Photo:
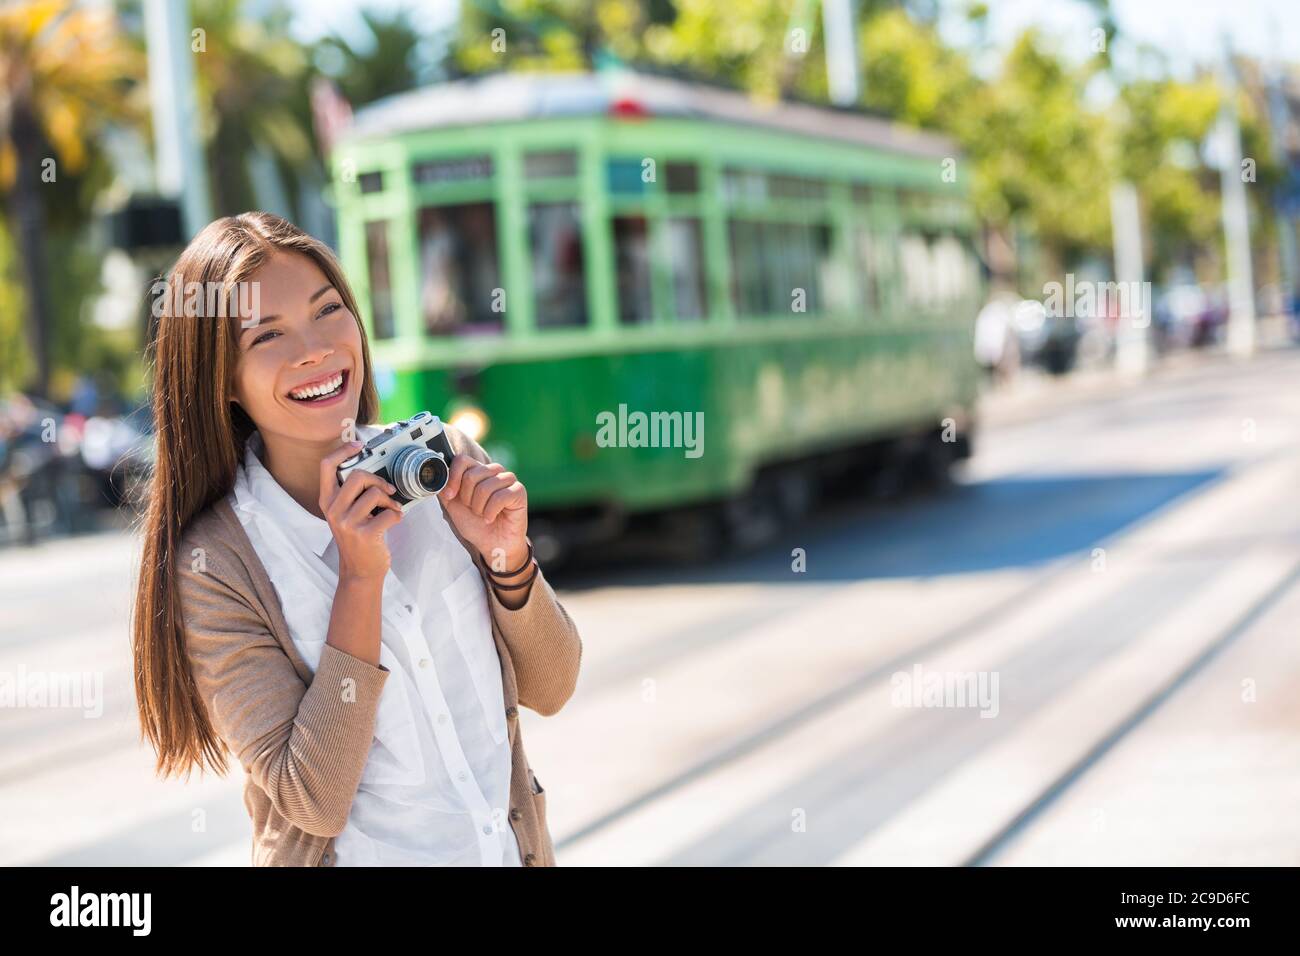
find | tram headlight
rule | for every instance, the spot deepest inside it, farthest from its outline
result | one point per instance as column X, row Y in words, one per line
column 471, row 421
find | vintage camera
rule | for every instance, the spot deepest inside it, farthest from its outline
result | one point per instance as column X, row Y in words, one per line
column 413, row 455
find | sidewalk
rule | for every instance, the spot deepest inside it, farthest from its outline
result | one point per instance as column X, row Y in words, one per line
column 1034, row 394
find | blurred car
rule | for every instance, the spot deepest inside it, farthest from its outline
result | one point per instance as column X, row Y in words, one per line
column 36, row 483
column 1048, row 341
column 57, row 469
column 1188, row 315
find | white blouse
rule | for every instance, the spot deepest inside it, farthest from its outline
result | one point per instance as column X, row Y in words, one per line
column 436, row 786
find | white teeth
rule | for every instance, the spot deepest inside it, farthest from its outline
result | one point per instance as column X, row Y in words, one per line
column 324, row 388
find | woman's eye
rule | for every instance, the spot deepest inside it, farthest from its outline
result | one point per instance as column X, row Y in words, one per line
column 264, row 336
column 329, row 307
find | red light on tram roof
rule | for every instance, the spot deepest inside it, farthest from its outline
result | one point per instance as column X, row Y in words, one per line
column 625, row 107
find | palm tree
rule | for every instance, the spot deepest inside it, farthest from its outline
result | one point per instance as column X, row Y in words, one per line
column 393, row 58
column 63, row 72
column 251, row 93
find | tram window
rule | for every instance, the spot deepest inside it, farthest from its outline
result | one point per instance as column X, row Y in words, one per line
column 799, row 249
column 867, row 260
column 948, row 262
column 686, row 262
column 749, row 290
column 921, row 284
column 742, row 185
column 920, row 204
column 786, row 264
column 630, row 176
column 682, row 177
column 459, row 273
column 955, row 267
column 558, row 164
column 559, row 283
column 777, row 268
column 371, row 182
column 834, row 277
column 632, row 267
column 795, row 187
column 381, row 288
column 914, row 260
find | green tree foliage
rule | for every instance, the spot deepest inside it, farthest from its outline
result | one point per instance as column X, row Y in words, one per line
column 67, row 73
column 251, row 77
column 15, row 361
column 390, row 58
column 1041, row 149
column 1161, row 125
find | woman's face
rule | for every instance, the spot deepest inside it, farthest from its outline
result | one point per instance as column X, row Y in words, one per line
column 300, row 372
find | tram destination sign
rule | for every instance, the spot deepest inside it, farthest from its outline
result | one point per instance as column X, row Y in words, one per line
column 452, row 170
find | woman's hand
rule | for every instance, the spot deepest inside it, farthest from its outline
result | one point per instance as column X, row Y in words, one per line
column 363, row 552
column 489, row 507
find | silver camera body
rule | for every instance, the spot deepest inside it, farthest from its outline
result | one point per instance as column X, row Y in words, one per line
column 412, row 455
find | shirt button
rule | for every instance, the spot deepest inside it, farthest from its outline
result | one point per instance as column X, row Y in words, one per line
column 442, row 718
column 424, row 662
column 487, row 828
column 463, row 775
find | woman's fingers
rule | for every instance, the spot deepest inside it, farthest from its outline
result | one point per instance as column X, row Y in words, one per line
column 511, row 496
column 356, row 484
column 329, row 466
column 459, row 465
column 360, row 510
column 370, row 499
column 383, row 521
column 486, row 488
column 465, row 474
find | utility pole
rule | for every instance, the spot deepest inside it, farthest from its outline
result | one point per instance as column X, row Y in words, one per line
column 1280, row 120
column 1133, row 326
column 839, row 27
column 1236, row 219
column 179, row 166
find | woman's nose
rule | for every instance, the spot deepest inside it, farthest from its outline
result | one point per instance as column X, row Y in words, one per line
column 315, row 348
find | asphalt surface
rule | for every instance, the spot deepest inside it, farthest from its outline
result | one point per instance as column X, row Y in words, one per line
column 1117, row 570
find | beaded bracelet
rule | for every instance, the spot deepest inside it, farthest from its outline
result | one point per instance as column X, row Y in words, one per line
column 518, row 570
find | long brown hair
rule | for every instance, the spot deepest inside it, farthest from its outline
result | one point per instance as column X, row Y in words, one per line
column 200, row 439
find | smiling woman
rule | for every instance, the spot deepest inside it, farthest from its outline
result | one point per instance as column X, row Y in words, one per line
column 308, row 625
column 299, row 365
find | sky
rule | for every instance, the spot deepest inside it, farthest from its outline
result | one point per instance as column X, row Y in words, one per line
column 1188, row 30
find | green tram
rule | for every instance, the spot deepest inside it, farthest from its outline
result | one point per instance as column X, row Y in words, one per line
column 656, row 298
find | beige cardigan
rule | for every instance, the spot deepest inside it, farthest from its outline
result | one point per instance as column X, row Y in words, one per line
column 303, row 739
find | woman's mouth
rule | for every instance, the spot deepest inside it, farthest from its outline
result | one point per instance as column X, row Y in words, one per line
column 325, row 391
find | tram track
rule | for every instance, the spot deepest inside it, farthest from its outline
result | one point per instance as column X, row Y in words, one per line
column 1051, row 793
column 773, row 731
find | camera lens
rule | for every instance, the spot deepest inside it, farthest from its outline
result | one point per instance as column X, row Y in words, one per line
column 418, row 472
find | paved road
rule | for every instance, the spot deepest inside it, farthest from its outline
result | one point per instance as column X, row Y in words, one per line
column 1120, row 570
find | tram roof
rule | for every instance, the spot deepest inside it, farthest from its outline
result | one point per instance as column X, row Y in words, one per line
column 511, row 97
